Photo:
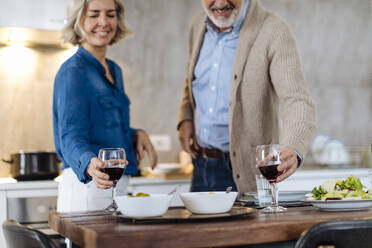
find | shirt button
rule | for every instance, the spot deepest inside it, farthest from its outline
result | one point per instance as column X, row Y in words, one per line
column 219, row 42
column 215, row 65
column 213, row 88
column 235, row 77
column 234, row 154
column 210, row 110
column 237, row 176
column 233, row 32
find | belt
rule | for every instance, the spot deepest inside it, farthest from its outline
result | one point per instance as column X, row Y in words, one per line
column 213, row 153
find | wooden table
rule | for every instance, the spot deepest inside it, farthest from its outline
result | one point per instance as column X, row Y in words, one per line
column 97, row 229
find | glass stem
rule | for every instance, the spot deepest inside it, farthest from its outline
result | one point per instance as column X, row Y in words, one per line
column 113, row 193
column 274, row 194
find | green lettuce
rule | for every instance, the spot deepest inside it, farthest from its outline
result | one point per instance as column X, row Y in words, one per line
column 351, row 187
column 318, row 192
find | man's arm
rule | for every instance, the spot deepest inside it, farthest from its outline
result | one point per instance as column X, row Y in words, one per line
column 297, row 110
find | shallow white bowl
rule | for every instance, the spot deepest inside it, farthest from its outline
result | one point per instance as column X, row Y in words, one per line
column 208, row 202
column 142, row 207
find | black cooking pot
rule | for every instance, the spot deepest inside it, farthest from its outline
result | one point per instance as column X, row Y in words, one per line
column 33, row 165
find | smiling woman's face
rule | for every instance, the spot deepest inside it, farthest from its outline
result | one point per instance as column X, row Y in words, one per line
column 99, row 23
column 223, row 13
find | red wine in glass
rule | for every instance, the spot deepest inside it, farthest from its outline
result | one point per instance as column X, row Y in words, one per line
column 270, row 171
column 114, row 173
column 268, row 160
column 114, row 162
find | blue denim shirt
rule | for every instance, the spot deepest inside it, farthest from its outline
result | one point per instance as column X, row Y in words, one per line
column 211, row 87
column 89, row 113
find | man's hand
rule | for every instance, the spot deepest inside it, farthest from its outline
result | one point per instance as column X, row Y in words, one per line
column 288, row 158
column 99, row 178
column 144, row 144
column 186, row 134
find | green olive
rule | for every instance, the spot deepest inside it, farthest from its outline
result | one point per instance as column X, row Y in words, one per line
column 140, row 194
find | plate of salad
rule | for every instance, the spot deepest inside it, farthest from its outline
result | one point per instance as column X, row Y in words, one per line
column 340, row 195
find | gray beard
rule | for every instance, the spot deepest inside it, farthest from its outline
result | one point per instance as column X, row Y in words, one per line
column 221, row 22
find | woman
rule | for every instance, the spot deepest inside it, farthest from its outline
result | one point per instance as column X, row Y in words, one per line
column 91, row 109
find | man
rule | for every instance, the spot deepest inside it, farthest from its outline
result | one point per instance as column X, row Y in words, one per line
column 243, row 65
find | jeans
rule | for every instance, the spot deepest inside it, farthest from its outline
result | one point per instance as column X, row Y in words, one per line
column 212, row 174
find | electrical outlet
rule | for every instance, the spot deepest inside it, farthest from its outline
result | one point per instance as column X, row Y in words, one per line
column 161, row 142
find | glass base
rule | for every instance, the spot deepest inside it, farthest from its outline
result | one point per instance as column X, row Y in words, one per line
column 112, row 208
column 274, row 209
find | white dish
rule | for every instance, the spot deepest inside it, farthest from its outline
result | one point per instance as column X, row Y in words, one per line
column 208, row 202
column 291, row 195
column 285, row 195
column 143, row 207
column 340, row 205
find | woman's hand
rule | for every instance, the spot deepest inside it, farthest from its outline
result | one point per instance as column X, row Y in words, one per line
column 144, row 144
column 99, row 178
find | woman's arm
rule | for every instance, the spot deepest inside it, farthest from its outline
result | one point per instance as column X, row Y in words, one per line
column 72, row 105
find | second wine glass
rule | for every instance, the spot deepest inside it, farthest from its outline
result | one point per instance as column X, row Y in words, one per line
column 268, row 160
column 114, row 162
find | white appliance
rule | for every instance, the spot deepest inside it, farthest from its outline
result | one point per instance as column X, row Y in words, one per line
column 35, row 14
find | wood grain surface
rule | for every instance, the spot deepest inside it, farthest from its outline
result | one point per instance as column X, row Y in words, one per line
column 98, row 229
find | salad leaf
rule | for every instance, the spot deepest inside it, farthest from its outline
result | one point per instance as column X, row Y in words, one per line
column 354, row 183
column 333, row 194
column 318, row 192
column 356, row 194
column 329, row 185
column 351, row 187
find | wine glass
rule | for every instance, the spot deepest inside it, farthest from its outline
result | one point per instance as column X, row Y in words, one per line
column 268, row 159
column 114, row 162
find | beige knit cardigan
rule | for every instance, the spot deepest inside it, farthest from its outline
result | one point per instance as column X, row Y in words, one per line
column 267, row 85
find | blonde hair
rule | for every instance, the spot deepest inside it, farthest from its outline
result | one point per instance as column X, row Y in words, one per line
column 73, row 31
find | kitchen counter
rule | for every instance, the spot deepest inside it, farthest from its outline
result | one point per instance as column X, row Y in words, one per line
column 11, row 184
column 156, row 180
column 304, row 178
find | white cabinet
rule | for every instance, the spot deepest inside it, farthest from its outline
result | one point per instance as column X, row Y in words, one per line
column 30, row 200
column 37, row 14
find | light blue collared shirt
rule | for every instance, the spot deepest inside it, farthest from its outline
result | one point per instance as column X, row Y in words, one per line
column 211, row 87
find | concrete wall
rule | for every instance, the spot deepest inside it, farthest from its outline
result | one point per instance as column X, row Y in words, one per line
column 334, row 38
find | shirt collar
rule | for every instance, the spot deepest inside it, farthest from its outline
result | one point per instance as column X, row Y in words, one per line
column 91, row 59
column 239, row 22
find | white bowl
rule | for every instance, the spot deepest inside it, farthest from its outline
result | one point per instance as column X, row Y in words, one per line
column 208, row 202
column 142, row 207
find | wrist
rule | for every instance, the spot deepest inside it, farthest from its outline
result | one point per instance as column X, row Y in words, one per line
column 88, row 169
